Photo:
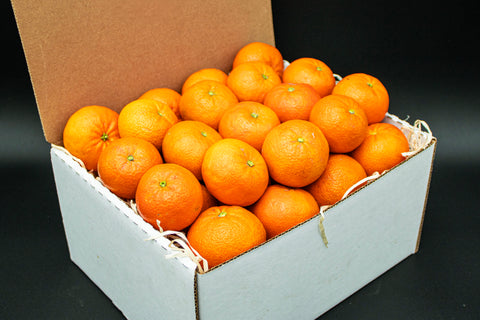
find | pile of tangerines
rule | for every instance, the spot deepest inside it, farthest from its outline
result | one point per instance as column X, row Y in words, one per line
column 238, row 158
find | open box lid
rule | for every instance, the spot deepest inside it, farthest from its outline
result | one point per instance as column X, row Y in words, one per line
column 108, row 52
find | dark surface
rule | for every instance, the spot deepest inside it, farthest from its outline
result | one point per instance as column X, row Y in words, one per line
column 423, row 55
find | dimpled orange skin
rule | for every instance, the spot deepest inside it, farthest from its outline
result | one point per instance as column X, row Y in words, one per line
column 292, row 100
column 171, row 194
column 342, row 120
column 368, row 91
column 248, row 121
column 167, row 96
column 206, row 101
column 296, row 153
column 310, row 71
column 251, row 81
column 147, row 119
column 259, row 51
column 234, row 172
column 88, row 131
column 382, row 148
column 186, row 143
column 341, row 173
column 123, row 162
column 281, row 208
column 222, row 233
column 204, row 74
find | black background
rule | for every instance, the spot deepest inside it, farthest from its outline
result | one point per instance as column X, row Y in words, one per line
column 425, row 54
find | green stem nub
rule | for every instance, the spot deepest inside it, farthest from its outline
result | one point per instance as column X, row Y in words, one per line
column 264, row 76
column 104, row 136
column 351, row 111
column 291, row 89
column 163, row 184
column 319, row 68
column 223, row 213
column 211, row 93
column 203, row 133
column 370, row 85
column 130, row 158
column 254, row 115
column 301, row 140
column 250, row 163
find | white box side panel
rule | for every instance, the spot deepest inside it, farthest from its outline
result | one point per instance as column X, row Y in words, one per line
column 108, row 244
column 296, row 277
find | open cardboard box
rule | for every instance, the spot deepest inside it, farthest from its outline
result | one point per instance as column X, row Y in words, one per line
column 108, row 53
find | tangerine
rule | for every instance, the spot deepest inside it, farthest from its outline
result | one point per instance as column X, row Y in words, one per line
column 310, row 71
column 123, row 162
column 251, row 81
column 186, row 142
column 368, row 91
column 222, row 233
column 292, row 100
column 234, row 172
column 147, row 119
column 382, row 148
column 170, row 195
column 248, row 121
column 207, row 101
column 342, row 121
column 281, row 208
column 296, row 153
column 341, row 173
column 88, row 131
column 259, row 51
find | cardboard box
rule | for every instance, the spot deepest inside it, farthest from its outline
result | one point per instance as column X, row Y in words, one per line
column 105, row 52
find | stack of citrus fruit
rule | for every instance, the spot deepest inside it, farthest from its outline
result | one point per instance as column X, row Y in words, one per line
column 236, row 158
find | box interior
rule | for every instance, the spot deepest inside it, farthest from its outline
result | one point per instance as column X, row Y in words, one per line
column 109, row 52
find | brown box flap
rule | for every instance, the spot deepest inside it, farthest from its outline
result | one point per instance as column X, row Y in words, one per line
column 108, row 52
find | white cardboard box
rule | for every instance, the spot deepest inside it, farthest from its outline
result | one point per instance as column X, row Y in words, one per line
column 291, row 276
column 81, row 54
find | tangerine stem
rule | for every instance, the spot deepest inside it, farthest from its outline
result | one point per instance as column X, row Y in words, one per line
column 370, row 84
column 104, row 136
column 130, row 158
column 264, row 76
column 254, row 115
column 163, row 184
column 291, row 89
column 250, row 163
column 301, row 140
column 223, row 213
column 203, row 133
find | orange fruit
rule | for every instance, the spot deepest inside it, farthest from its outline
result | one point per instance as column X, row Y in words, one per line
column 248, row 121
column 186, row 143
column 206, row 101
column 292, row 100
column 88, row 131
column 123, row 162
column 170, row 194
column 341, row 173
column 208, row 200
column 342, row 121
column 147, row 119
column 281, row 208
column 165, row 95
column 382, row 148
column 296, row 153
column 368, row 91
column 310, row 71
column 259, row 51
column 204, row 74
column 222, row 233
column 251, row 81
column 234, row 172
